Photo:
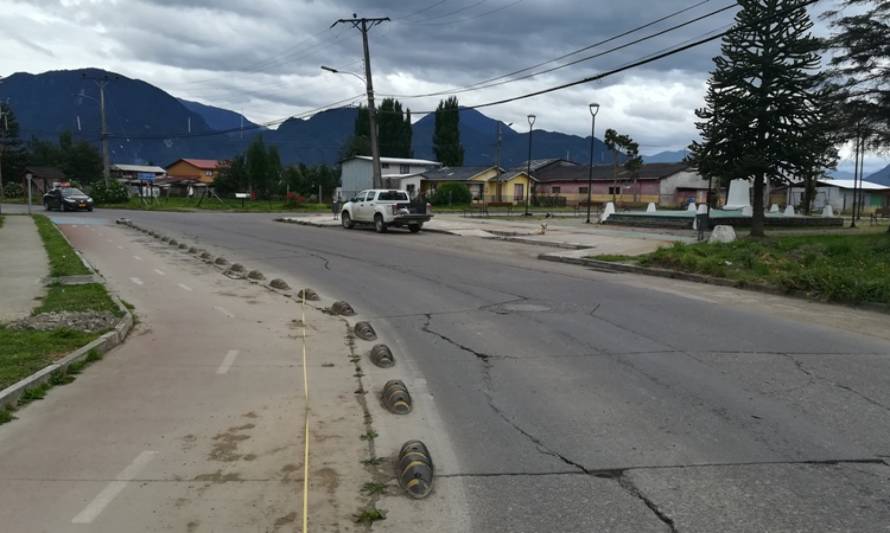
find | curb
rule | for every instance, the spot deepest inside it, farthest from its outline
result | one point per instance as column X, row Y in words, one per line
column 9, row 396
column 606, row 266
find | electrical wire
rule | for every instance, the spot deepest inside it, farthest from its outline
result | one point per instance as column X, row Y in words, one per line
column 477, row 87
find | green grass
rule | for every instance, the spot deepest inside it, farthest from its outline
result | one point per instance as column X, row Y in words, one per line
column 191, row 204
column 837, row 268
column 370, row 515
column 62, row 259
column 78, row 298
column 23, row 352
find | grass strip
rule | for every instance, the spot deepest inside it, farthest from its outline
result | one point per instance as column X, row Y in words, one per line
column 23, row 352
column 78, row 298
column 838, row 268
column 62, row 259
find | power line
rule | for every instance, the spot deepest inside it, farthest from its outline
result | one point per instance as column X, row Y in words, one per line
column 479, row 86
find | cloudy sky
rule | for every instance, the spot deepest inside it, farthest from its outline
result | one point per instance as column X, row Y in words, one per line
column 262, row 57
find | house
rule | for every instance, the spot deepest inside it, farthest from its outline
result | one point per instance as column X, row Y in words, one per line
column 137, row 172
column 487, row 184
column 665, row 184
column 357, row 173
column 43, row 179
column 839, row 195
column 198, row 170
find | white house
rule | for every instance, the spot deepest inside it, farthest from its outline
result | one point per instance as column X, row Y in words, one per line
column 358, row 173
column 839, row 194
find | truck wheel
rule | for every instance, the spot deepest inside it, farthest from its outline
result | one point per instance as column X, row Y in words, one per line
column 379, row 225
column 414, row 228
column 346, row 220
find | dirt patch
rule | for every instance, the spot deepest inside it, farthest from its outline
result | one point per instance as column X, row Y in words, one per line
column 289, row 518
column 250, row 414
column 192, row 526
column 225, row 446
column 329, row 478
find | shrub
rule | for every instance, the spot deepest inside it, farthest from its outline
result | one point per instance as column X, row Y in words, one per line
column 451, row 194
column 114, row 193
column 295, row 200
column 13, row 190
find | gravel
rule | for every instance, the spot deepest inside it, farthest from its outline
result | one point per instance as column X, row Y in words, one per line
column 83, row 321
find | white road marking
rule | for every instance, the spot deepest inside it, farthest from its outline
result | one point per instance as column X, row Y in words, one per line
column 160, row 272
column 111, row 491
column 223, row 311
column 184, row 287
column 227, row 362
column 136, row 257
column 137, row 281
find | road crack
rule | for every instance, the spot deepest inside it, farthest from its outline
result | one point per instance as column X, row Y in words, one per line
column 814, row 377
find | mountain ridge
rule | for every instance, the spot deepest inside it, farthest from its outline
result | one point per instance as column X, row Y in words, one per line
column 149, row 125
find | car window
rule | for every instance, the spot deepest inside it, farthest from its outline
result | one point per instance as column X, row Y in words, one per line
column 70, row 191
column 370, row 196
column 393, row 196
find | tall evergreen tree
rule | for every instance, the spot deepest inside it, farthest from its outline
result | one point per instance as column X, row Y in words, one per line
column 764, row 99
column 13, row 158
column 446, row 135
column 393, row 127
column 861, row 65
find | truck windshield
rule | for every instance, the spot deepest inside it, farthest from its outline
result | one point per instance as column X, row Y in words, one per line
column 393, row 196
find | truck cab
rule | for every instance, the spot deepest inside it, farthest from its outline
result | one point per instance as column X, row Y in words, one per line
column 385, row 208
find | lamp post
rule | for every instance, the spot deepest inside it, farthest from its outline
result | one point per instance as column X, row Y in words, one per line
column 594, row 109
column 372, row 115
column 528, row 170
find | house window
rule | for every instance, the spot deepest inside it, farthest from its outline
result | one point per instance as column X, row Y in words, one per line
column 615, row 190
column 384, row 165
column 404, row 169
column 410, row 188
column 582, row 190
column 556, row 190
column 208, row 172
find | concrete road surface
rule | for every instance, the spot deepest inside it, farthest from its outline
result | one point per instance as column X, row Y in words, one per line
column 576, row 400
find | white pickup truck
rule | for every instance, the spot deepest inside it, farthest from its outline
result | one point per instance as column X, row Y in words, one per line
column 384, row 208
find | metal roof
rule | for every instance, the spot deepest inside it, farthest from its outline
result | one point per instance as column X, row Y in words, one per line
column 454, row 173
column 402, row 161
column 849, row 184
column 139, row 168
column 607, row 172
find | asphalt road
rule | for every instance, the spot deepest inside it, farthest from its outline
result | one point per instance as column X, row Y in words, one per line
column 582, row 401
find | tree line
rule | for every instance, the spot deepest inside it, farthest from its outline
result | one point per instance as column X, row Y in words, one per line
column 259, row 170
column 77, row 158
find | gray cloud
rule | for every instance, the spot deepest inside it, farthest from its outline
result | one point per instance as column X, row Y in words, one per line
column 262, row 57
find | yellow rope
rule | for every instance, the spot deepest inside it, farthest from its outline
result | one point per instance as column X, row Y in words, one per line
column 306, row 433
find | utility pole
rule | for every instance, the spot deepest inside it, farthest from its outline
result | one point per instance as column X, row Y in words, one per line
column 101, row 82
column 363, row 25
column 4, row 127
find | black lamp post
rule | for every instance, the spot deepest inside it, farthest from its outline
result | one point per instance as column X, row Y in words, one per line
column 594, row 109
column 528, row 170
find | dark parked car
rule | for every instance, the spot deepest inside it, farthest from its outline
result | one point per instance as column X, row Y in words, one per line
column 67, row 199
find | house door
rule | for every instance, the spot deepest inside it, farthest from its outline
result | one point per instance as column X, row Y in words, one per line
column 518, row 192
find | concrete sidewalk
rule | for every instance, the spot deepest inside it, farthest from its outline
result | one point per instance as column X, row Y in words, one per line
column 23, row 267
column 554, row 233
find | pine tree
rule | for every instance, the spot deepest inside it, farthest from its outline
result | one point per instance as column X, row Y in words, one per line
column 763, row 101
column 861, row 66
column 446, row 136
column 13, row 158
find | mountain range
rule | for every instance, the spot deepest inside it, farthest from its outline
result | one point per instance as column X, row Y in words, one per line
column 149, row 125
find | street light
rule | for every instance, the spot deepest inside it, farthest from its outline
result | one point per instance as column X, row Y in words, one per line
column 594, row 109
column 528, row 170
column 372, row 115
column 336, row 71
